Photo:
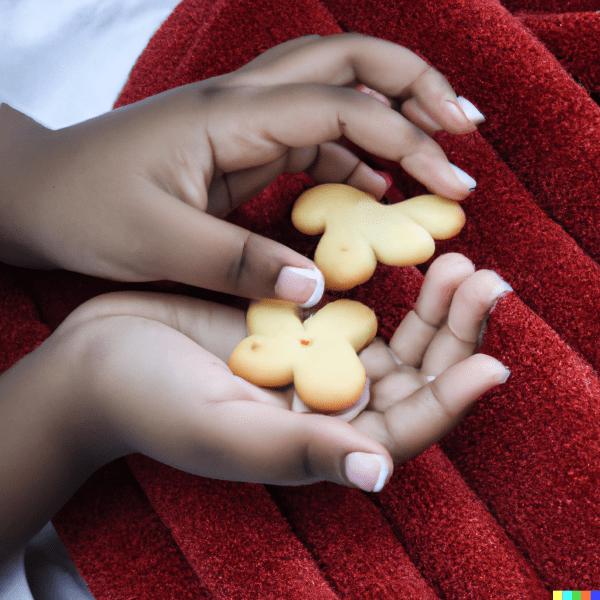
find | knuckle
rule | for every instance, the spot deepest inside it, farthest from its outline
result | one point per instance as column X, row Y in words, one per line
column 435, row 401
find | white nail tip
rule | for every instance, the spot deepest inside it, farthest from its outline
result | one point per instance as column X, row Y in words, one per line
column 316, row 275
column 383, row 473
column 430, row 378
column 464, row 177
column 471, row 111
column 501, row 288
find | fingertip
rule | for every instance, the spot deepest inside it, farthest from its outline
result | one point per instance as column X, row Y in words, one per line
column 499, row 372
column 373, row 93
column 300, row 285
column 452, row 262
column 456, row 117
column 368, row 472
column 487, row 370
column 464, row 178
column 470, row 110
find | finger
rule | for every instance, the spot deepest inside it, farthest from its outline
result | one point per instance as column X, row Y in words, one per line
column 327, row 163
column 351, row 59
column 414, row 112
column 198, row 249
column 378, row 360
column 399, row 384
column 413, row 424
column 418, row 328
column 256, row 442
column 336, row 164
column 461, row 334
column 269, row 120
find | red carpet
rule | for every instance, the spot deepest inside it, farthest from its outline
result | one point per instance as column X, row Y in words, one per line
column 507, row 506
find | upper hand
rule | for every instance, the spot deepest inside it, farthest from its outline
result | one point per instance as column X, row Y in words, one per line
column 137, row 194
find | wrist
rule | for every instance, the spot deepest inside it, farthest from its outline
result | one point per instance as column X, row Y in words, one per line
column 44, row 457
column 23, row 148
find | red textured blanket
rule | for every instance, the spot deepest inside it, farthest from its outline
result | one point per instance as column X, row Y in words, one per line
column 507, row 506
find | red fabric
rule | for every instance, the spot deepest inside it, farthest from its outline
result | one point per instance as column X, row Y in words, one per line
column 506, row 505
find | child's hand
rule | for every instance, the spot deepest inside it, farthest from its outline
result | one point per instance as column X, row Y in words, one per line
column 147, row 373
column 137, row 194
column 425, row 382
column 157, row 367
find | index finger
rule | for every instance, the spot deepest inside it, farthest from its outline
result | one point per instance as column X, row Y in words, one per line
column 351, row 58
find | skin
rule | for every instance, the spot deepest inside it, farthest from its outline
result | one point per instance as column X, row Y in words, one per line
column 147, row 373
column 137, row 194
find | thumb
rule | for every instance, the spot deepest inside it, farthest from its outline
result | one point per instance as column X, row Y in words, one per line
column 261, row 442
column 201, row 250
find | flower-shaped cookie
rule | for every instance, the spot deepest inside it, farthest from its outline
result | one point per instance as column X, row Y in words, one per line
column 318, row 356
column 359, row 231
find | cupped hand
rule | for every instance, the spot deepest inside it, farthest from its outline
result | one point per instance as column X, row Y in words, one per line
column 429, row 376
column 137, row 194
column 154, row 372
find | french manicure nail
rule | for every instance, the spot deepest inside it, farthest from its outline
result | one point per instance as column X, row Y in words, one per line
column 366, row 471
column 502, row 288
column 456, row 110
column 499, row 291
column 464, row 177
column 303, row 286
column 471, row 111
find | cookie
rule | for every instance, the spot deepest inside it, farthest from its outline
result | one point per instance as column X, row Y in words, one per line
column 358, row 231
column 318, row 356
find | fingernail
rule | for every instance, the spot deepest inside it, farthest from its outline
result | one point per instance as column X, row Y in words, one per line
column 303, row 286
column 366, row 471
column 464, row 178
column 456, row 110
column 505, row 376
column 471, row 111
column 502, row 288
column 361, row 87
column 386, row 177
column 501, row 371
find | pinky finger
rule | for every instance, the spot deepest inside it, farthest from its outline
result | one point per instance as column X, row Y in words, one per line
column 415, row 423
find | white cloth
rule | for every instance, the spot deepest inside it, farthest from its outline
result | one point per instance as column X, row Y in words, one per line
column 62, row 62
column 43, row 571
column 65, row 61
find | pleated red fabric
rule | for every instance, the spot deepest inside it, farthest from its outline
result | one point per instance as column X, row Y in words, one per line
column 506, row 506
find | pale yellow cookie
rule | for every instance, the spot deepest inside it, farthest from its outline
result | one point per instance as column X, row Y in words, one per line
column 319, row 356
column 358, row 231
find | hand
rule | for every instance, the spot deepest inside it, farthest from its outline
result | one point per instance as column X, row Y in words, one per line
column 147, row 373
column 137, row 194
column 157, row 367
column 428, row 378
